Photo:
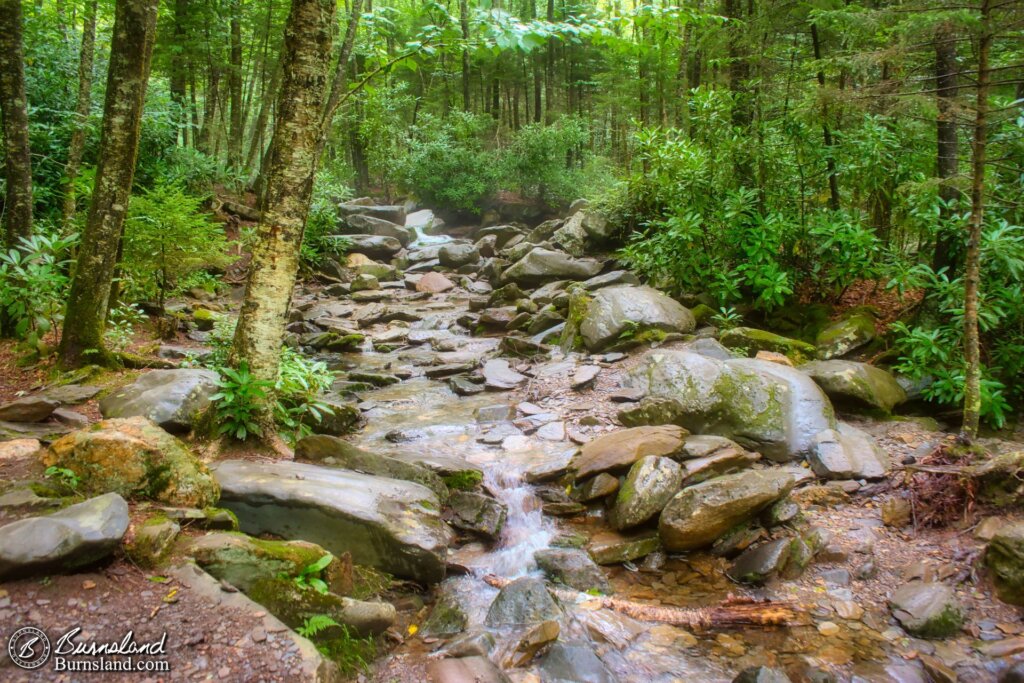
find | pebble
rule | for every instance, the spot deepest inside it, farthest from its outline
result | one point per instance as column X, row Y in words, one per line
column 828, row 628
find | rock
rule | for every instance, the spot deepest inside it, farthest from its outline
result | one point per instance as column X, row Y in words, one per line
column 585, row 376
column 536, row 638
column 153, row 540
column 698, row 515
column 774, row 357
column 573, row 568
column 761, row 674
column 173, row 399
column 1004, row 556
column 458, row 254
column 552, row 431
column 619, row 450
column 389, row 524
column 856, row 384
column 760, row 563
column 750, row 340
column 471, row 644
column 330, row 450
column 625, row 312
column 28, row 409
column 615, row 277
column 392, row 213
column 463, row 386
column 574, row 663
column 370, row 225
column 523, row 601
column 382, row 271
column 541, row 265
column 766, row 407
column 652, row 482
column 847, row 453
column 447, row 615
column 465, row 670
column 927, row 610
column 374, row 246
column 74, row 537
column 478, row 513
column 844, row 336
column 136, row 459
column 722, row 461
column 18, row 449
column 600, row 486
column 364, row 282
column 343, row 418
column 608, row 547
column 250, row 564
column 434, row 283
column 499, row 375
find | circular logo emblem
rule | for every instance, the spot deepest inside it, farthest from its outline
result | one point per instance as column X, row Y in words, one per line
column 29, row 647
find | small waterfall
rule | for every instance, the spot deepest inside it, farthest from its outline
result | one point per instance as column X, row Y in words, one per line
column 526, row 530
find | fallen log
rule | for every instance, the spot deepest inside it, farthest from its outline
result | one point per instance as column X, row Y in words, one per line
column 733, row 613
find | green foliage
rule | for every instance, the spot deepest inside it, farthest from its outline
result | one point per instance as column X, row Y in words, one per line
column 33, row 285
column 319, row 241
column 121, row 324
column 301, row 382
column 238, row 401
column 309, row 577
column 727, row 318
column 315, row 625
column 168, row 237
column 544, row 162
column 63, row 477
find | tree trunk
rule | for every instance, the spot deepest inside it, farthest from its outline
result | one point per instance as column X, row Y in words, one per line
column 464, row 24
column 339, row 84
column 237, row 121
column 972, row 277
column 17, row 210
column 84, row 103
column 947, row 150
column 826, row 132
column 739, row 74
column 289, row 185
column 260, row 127
column 130, row 51
column 179, row 67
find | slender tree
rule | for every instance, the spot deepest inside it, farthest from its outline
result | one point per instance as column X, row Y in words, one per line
column 130, row 51
column 289, row 185
column 17, row 209
column 82, row 106
column 947, row 160
column 235, row 130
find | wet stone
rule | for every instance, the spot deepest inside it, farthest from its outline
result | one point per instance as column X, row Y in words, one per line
column 573, row 568
column 759, row 564
column 523, row 601
column 600, row 486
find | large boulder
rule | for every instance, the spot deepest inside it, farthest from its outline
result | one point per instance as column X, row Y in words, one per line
column 620, row 449
column 571, row 567
column 136, row 459
column 847, row 453
column 652, row 482
column 368, row 225
column 74, row 537
column 28, row 409
column 458, row 254
column 765, row 406
column 845, row 335
column 374, row 246
column 750, row 340
column 394, row 213
column 927, row 610
column 698, row 515
column 1005, row 558
column 541, row 265
column 621, row 310
column 856, row 384
column 174, row 399
column 389, row 524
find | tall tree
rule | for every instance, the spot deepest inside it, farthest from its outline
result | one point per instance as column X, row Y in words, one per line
column 289, row 185
column 130, row 51
column 17, row 210
column 947, row 160
column 237, row 123
column 82, row 106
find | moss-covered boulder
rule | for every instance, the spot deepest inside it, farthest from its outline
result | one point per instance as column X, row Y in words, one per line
column 650, row 484
column 152, row 540
column 750, row 340
column 571, row 567
column 1005, row 558
column 622, row 312
column 137, row 459
column 848, row 334
column 927, row 610
column 477, row 513
column 609, row 547
column 856, row 385
column 618, row 450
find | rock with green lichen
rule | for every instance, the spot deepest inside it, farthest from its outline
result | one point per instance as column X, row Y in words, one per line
column 618, row 450
column 845, row 335
column 652, row 481
column 761, row 563
column 698, row 515
column 596, row 487
column 343, row 418
column 541, row 265
column 137, row 459
column 927, row 610
column 856, row 385
column 448, row 616
column 847, row 453
column 477, row 513
column 609, row 547
column 573, row 568
column 204, row 319
column 173, row 399
column 152, row 541
column 750, row 340
column 626, row 311
column 524, row 601
column 1005, row 558
column 294, row 604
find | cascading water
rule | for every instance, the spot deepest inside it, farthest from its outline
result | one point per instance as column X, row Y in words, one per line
column 526, row 530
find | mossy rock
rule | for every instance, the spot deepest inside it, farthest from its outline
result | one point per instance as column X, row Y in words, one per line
column 464, row 480
column 850, row 333
column 152, row 541
column 1004, row 556
column 928, row 610
column 294, row 604
column 750, row 340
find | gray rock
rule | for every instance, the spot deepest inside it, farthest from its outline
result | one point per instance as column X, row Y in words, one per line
column 600, row 486
column 393, row 213
column 631, row 310
column 478, row 513
column 374, row 246
column 458, row 254
column 759, row 564
column 722, row 461
column 370, row 225
column 698, row 515
column 651, row 483
column 171, row 398
column 385, row 523
column 927, row 610
column 856, row 384
column 585, row 376
column 447, row 615
column 574, row 663
column 761, row 674
column 615, row 277
column 846, row 335
column 476, row 643
column 28, row 409
column 571, row 567
column 847, row 453
column 465, row 670
column 499, row 375
column 613, row 548
column 749, row 341
column 619, row 450
column 66, row 540
column 524, row 601
column 541, row 265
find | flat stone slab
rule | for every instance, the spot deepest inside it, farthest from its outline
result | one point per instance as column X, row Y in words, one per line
column 385, row 523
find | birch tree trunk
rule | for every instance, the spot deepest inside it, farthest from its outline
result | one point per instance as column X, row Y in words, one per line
column 82, row 106
column 130, row 51
column 17, row 211
column 289, row 184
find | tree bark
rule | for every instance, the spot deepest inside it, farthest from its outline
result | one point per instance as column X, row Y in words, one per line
column 826, row 132
column 82, row 106
column 467, row 100
column 972, row 276
column 289, row 185
column 947, row 147
column 130, row 51
column 179, row 67
column 339, row 84
column 236, row 122
column 17, row 210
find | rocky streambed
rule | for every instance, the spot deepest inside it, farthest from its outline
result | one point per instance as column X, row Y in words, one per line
column 521, row 431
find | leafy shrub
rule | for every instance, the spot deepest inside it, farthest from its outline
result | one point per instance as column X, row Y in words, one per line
column 238, row 401
column 545, row 162
column 121, row 322
column 168, row 237
column 320, row 241
column 301, row 382
column 33, row 285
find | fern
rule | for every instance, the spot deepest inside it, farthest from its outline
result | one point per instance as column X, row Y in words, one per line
column 315, row 625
